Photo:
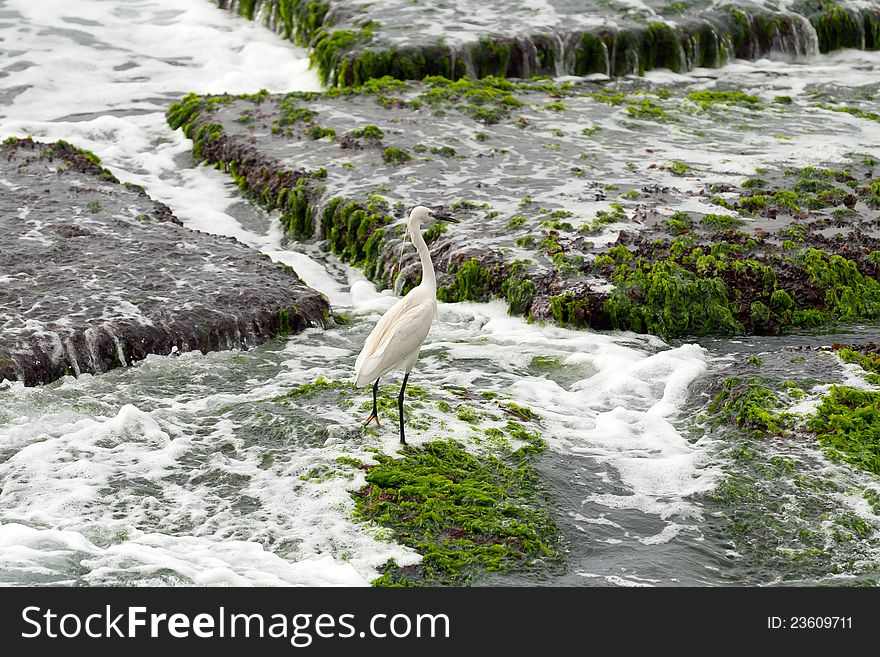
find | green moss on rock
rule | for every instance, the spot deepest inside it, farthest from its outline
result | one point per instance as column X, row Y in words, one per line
column 471, row 283
column 465, row 514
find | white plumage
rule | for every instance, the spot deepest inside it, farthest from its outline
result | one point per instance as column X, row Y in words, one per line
column 395, row 341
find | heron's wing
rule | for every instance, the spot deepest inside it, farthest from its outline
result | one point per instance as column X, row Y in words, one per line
column 400, row 340
column 381, row 329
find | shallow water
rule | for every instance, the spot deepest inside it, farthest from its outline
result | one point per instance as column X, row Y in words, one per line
column 181, row 470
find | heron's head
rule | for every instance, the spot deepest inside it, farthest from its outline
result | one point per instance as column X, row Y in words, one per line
column 421, row 215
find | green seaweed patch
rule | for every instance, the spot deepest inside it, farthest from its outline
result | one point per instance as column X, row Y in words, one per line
column 518, row 289
column 320, row 385
column 695, row 291
column 465, row 514
column 847, row 425
column 523, row 413
column 472, row 282
column 647, row 109
column 315, row 131
column 369, row 131
column 667, row 300
column 708, row 99
column 750, row 406
column 467, row 414
column 487, row 100
column 677, row 168
column 839, row 27
column 75, row 157
column 392, row 155
column 434, row 231
column 678, row 223
column 721, row 221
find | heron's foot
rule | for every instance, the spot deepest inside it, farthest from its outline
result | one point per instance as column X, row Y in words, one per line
column 403, row 440
column 374, row 417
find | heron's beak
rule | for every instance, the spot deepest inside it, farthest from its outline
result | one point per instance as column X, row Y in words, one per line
column 448, row 218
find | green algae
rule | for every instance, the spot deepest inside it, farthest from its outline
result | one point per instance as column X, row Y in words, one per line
column 320, row 385
column 67, row 152
column 838, row 27
column 668, row 300
column 487, row 100
column 393, row 155
column 707, row 99
column 678, row 168
column 472, row 282
column 689, row 293
column 750, row 406
column 849, row 295
column 465, row 514
column 518, row 289
column 720, row 221
column 847, row 425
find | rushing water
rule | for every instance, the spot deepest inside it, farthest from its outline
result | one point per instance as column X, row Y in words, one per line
column 158, row 473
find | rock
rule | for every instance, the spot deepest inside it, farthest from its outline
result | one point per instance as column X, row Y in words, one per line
column 354, row 41
column 97, row 275
column 792, row 247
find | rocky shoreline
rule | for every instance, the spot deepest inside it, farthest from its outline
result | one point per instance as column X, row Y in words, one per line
column 98, row 275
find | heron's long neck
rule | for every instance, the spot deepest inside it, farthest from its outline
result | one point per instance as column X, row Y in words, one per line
column 428, row 277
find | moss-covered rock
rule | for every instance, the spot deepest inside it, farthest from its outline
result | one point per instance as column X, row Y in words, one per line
column 464, row 513
column 352, row 43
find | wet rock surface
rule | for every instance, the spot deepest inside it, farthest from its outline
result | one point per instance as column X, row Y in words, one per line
column 688, row 208
column 355, row 41
column 94, row 274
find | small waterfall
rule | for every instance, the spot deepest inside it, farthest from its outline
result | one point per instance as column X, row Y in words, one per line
column 265, row 14
column 120, row 352
column 90, row 336
column 608, row 58
column 525, row 47
column 571, row 44
column 71, row 355
column 612, row 59
column 559, row 54
column 807, row 39
column 682, row 56
column 726, row 49
column 452, row 55
column 626, row 54
column 469, row 68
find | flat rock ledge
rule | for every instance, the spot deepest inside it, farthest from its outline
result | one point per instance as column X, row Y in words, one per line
column 564, row 212
column 94, row 274
column 356, row 40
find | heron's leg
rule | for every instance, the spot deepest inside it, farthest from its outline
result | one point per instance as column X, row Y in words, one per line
column 374, row 416
column 400, row 407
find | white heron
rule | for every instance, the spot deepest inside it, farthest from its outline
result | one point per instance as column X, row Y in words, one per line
column 395, row 341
